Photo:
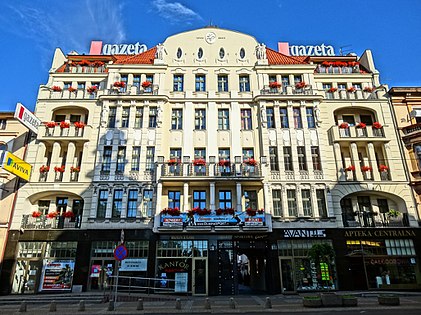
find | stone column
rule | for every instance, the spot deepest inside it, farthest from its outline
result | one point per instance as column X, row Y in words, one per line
column 373, row 161
column 239, row 197
column 40, row 156
column 356, row 161
column 266, row 197
column 284, row 202
column 314, row 205
column 94, row 204
column 212, row 195
column 70, row 158
column 55, row 161
column 158, row 198
column 299, row 202
column 185, row 197
column 338, row 160
column 108, row 212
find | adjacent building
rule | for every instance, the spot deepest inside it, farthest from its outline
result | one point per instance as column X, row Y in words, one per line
column 222, row 163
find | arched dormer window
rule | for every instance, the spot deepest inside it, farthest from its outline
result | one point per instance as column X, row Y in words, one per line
column 221, row 53
column 179, row 53
column 200, row 53
column 242, row 53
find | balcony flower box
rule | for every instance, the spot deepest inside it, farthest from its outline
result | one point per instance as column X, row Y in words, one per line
column 351, row 89
column 224, row 163
column 251, row 212
column 332, row 89
column 146, row 84
column 383, row 168
column 74, row 169
column 361, row 126
column 377, row 125
column 172, row 162
column 52, row 215
column 274, row 85
column 369, row 89
column 71, row 89
column 198, row 211
column 300, row 85
column 68, row 214
column 92, row 89
column 64, row 125
column 366, row 168
column 51, row 124
column 84, row 63
column 119, row 84
column 56, row 88
column 36, row 214
column 171, row 211
column 79, row 124
column 199, row 162
column 98, row 63
column 59, row 169
column 44, row 169
column 251, row 162
column 350, row 168
column 344, row 125
column 226, row 211
column 261, row 211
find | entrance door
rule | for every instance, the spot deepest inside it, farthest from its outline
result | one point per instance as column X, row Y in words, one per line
column 200, row 277
column 287, row 275
column 101, row 270
column 26, row 277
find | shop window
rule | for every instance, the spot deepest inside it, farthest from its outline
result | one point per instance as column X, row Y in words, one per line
column 30, row 249
column 61, row 249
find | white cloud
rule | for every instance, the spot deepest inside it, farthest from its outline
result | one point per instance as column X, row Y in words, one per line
column 175, row 11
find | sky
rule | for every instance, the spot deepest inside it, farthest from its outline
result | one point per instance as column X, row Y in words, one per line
column 30, row 30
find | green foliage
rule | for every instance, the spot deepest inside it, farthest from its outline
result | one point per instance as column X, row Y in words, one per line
column 393, row 213
column 322, row 252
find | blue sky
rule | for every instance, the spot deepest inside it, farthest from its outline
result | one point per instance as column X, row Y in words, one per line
column 30, row 30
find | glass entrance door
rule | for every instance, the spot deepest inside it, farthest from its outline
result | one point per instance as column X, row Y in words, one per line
column 200, row 277
column 26, row 277
column 287, row 275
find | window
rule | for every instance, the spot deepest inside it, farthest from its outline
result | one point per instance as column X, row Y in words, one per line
column 67, row 85
column 225, row 199
column 147, row 202
column 284, row 117
column 315, row 158
column 125, row 116
column 200, row 119
column 242, row 53
column 177, row 119
column 112, row 117
column 248, row 153
column 224, row 155
column 149, row 78
column 223, row 119
column 302, row 161
column 321, row 202
column 174, row 199
column 179, row 53
column 272, row 78
column 106, row 159
column 152, row 117
column 60, row 118
column 124, row 78
column 326, row 86
column 221, row 53
column 102, row 203
column 150, row 156
column 277, row 202
column 341, row 86
column 200, row 153
column 285, row 81
column 81, row 85
column 138, row 123
column 117, row 203
column 349, row 119
column 200, row 83
column 135, row 159
column 270, row 117
column 383, row 205
column 244, row 83
column 222, row 83
column 292, row 202
column 357, row 86
column 44, row 206
column 200, row 53
column 273, row 158
column 121, row 159
column 246, row 119
column 136, row 81
column 175, row 154
column 74, row 118
column 298, row 123
column 288, row 159
column 199, row 199
column 199, row 169
column 306, row 199
column 132, row 203
column 311, row 123
column 3, row 123
column 178, row 83
column 366, row 119
column 250, row 197
column 297, row 79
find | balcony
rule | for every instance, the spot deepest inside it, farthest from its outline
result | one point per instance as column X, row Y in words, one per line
column 366, row 219
column 133, row 90
column 66, row 95
column 287, row 90
column 146, row 175
column 347, row 96
column 72, row 133
column 354, row 134
column 43, row 222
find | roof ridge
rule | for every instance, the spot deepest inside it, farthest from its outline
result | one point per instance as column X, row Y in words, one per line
column 128, row 58
column 294, row 58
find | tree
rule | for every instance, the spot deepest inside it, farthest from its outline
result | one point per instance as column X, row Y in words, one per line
column 323, row 255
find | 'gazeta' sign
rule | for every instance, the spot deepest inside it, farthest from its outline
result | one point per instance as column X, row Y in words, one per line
column 310, row 50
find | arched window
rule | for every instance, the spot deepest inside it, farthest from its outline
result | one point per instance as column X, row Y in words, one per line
column 179, row 53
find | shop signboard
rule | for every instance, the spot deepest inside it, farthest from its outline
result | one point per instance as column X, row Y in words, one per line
column 26, row 117
column 16, row 166
column 134, row 264
column 57, row 275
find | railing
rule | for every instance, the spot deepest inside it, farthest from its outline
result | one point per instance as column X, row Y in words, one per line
column 71, row 133
column 230, row 170
column 355, row 133
column 287, row 90
column 337, row 70
column 373, row 219
column 411, row 129
column 129, row 285
column 133, row 90
column 346, row 95
column 43, row 222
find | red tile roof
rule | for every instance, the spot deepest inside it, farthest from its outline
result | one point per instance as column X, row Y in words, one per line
column 146, row 57
column 276, row 58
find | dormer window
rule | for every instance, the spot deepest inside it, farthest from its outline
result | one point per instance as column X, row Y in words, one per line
column 221, row 53
column 200, row 53
column 242, row 53
column 179, row 53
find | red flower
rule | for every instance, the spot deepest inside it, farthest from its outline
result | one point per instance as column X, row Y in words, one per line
column 59, row 169
column 365, row 168
column 119, row 84
column 274, row 85
column 68, row 214
column 199, row 162
column 56, row 88
column 332, row 89
column 171, row 211
column 383, row 168
column 250, row 212
column 344, row 125
column 79, row 124
column 51, row 124
column 369, row 89
column 146, row 84
column 377, row 125
column 300, row 85
column 352, row 89
column 44, row 169
column 350, row 168
column 261, row 211
column 98, row 63
column 71, row 89
column 361, row 125
column 172, row 161
column 36, row 214
column 92, row 89
column 64, row 124
column 251, row 162
column 224, row 162
column 52, row 215
column 74, row 169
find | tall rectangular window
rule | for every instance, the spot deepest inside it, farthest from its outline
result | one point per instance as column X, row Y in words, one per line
column 273, row 158
column 152, row 117
column 150, row 157
column 199, row 199
column 174, row 199
column 200, row 119
column 277, row 202
column 178, row 83
column 106, row 159
column 138, row 123
column 298, row 123
column 102, row 203
column 121, row 159
column 200, row 83
column 285, row 81
column 177, row 119
column 315, row 158
column 81, row 86
column 132, row 203
column 147, row 202
column 125, row 116
column 284, row 117
column 44, row 206
column 302, row 161
column 292, row 202
column 223, row 119
column 311, row 123
column 321, row 203
column 61, row 204
column 306, row 199
column 117, row 203
column 222, row 83
column 250, row 199
column 246, row 119
column 135, row 159
column 136, row 81
column 248, row 153
column 149, row 78
column 244, row 83
column 199, row 153
column 225, row 199
column 124, row 78
column 112, row 117
column 270, row 117
column 288, row 159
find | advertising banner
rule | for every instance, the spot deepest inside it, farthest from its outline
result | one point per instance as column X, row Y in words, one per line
column 16, row 166
column 28, row 119
column 57, row 275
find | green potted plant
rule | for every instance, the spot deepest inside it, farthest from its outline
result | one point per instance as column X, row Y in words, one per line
column 393, row 213
column 312, row 301
column 349, row 300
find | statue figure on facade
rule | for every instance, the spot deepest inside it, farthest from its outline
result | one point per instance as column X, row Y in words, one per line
column 263, row 116
column 261, row 51
column 317, row 115
column 159, row 116
column 160, row 51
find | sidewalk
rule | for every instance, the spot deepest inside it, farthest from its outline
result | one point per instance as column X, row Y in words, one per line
column 69, row 304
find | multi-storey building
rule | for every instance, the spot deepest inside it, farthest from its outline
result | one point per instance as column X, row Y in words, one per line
column 224, row 162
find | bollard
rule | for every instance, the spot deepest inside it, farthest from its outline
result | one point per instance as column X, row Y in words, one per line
column 111, row 305
column 139, row 305
column 22, row 307
column 268, row 303
column 81, row 306
column 178, row 304
column 207, row 304
column 53, row 306
column 232, row 303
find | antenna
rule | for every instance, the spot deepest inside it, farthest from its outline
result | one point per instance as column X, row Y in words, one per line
column 342, row 50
